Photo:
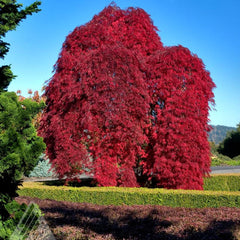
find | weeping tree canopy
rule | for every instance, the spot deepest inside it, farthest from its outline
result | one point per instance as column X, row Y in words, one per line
column 126, row 109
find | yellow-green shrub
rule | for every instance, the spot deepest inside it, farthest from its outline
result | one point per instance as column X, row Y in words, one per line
column 132, row 196
column 222, row 182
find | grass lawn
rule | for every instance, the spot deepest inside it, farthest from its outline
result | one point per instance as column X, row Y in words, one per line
column 221, row 160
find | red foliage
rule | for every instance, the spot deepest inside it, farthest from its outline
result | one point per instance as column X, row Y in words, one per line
column 181, row 90
column 121, row 105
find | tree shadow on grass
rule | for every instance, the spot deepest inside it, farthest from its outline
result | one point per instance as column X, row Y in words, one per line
column 127, row 225
column 217, row 230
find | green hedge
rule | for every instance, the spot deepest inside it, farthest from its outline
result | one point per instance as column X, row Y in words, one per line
column 132, row 196
column 223, row 182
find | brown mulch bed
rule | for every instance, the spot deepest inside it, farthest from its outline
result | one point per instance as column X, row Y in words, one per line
column 70, row 221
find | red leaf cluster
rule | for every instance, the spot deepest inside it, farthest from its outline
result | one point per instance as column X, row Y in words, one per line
column 126, row 109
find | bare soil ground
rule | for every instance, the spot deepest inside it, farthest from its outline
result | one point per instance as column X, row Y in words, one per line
column 71, row 221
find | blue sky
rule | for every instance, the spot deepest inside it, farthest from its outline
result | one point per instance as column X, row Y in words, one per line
column 209, row 28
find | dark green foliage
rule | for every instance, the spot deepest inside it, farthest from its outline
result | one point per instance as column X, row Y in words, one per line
column 219, row 133
column 19, row 144
column 230, row 146
column 8, row 226
column 6, row 76
column 11, row 14
column 27, row 216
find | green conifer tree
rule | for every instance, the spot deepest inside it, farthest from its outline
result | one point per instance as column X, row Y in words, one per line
column 20, row 146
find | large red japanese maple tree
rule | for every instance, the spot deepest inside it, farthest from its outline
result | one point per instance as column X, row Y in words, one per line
column 126, row 110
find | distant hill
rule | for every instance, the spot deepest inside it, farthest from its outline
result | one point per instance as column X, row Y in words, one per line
column 219, row 132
